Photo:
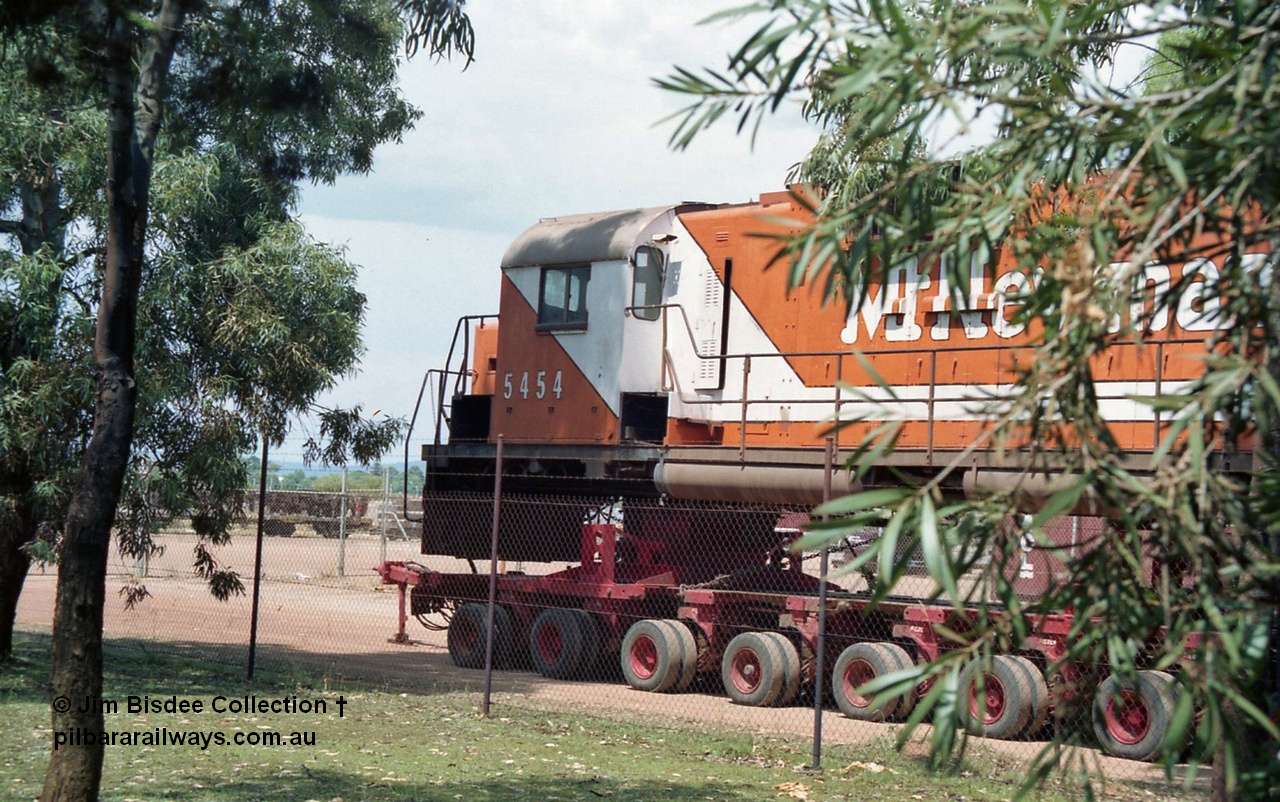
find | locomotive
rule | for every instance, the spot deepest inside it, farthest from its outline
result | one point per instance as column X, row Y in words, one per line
column 663, row 399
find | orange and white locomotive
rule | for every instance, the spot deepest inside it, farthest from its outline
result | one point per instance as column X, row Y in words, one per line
column 658, row 351
column 663, row 403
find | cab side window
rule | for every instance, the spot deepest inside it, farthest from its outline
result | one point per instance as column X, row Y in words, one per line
column 646, row 286
column 562, row 298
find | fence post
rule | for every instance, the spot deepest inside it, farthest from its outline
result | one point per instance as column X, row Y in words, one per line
column 820, row 671
column 493, row 579
column 342, row 526
column 386, row 494
column 257, row 557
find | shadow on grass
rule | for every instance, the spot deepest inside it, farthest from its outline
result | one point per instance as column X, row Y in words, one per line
column 24, row 675
column 189, row 668
column 325, row 785
column 1075, row 752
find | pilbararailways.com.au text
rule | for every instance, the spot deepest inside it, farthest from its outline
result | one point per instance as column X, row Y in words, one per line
column 163, row 736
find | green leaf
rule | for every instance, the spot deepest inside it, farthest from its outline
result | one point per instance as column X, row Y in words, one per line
column 887, row 545
column 865, row 500
column 1179, row 723
column 893, row 683
column 936, row 558
column 1062, row 501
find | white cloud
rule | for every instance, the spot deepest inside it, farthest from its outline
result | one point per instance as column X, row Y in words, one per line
column 557, row 115
column 419, row 280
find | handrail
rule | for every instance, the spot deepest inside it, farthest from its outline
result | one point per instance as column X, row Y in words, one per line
column 930, row 400
column 464, row 329
column 413, row 420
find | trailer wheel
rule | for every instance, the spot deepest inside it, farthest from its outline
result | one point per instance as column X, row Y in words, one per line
column 1001, row 704
column 1039, row 690
column 752, row 670
column 903, row 660
column 1131, row 719
column 556, row 643
column 687, row 651
column 856, row 666
column 790, row 668
column 467, row 635
column 651, row 656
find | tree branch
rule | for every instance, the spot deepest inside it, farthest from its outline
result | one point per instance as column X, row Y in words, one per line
column 154, row 72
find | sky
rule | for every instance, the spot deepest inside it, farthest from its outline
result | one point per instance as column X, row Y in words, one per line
column 557, row 115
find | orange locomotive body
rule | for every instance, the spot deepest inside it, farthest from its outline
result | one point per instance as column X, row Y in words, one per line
column 662, row 403
column 659, row 352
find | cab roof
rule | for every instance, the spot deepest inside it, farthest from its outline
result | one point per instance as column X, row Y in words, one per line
column 595, row 237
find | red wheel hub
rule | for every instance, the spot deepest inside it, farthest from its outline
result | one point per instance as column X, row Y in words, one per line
column 550, row 644
column 644, row 657
column 856, row 674
column 468, row 638
column 1128, row 719
column 745, row 671
column 992, row 703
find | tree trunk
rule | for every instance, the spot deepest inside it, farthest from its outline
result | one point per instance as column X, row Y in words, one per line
column 14, row 565
column 17, row 529
column 74, row 773
column 41, row 226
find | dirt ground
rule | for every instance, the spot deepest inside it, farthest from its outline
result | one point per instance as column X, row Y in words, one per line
column 340, row 626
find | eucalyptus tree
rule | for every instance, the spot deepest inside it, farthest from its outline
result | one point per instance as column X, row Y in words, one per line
column 157, row 285
column 1178, row 163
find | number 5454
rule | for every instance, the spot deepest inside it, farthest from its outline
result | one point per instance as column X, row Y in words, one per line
column 538, row 388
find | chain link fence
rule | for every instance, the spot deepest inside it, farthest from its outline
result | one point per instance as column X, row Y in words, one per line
column 708, row 607
column 309, row 535
column 670, row 610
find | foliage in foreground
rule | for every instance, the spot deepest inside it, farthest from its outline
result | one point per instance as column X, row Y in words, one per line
column 127, row 57
column 1083, row 182
column 243, row 319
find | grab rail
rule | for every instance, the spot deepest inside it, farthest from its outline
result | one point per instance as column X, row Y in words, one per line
column 838, row 401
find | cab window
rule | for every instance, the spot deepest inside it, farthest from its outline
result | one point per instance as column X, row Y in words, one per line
column 646, row 286
column 562, row 298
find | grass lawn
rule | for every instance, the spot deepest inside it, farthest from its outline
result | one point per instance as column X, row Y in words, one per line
column 395, row 746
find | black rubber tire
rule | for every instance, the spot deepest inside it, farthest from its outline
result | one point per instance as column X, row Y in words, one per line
column 651, row 656
column 790, row 668
column 752, row 670
column 556, row 643
column 1000, row 705
column 1132, row 719
column 504, row 642
column 592, row 644
column 859, row 664
column 1040, row 700
column 902, row 659
column 467, row 636
column 688, row 649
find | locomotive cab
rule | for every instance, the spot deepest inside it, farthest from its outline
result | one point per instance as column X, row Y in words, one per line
column 573, row 377
column 580, row 349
